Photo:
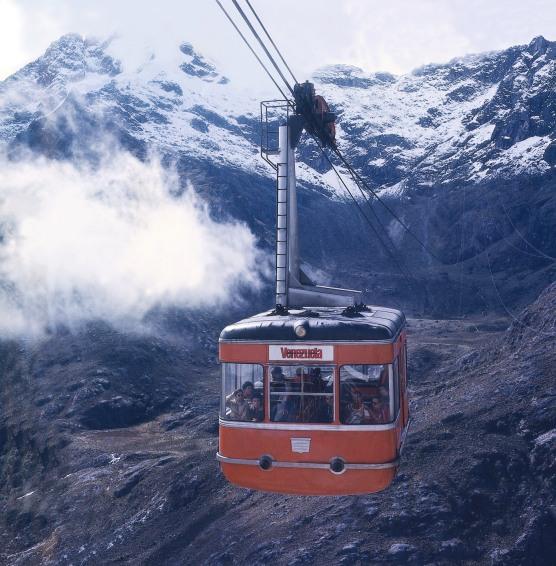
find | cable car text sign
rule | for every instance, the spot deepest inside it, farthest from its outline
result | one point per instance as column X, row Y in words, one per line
column 297, row 352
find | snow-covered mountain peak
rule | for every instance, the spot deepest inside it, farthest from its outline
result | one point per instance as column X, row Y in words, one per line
column 197, row 66
column 449, row 123
column 440, row 124
column 68, row 60
column 540, row 45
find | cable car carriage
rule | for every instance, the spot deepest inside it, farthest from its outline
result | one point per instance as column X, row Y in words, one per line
column 314, row 392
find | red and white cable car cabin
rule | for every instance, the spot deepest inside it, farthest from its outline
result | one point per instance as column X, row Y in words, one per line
column 314, row 401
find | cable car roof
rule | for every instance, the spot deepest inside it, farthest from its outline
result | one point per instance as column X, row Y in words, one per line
column 322, row 323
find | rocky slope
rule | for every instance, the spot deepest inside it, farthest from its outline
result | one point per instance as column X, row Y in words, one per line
column 107, row 455
column 464, row 152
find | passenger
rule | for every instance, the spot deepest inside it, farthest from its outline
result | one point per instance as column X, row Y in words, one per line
column 277, row 374
column 256, row 403
column 385, row 400
column 357, row 413
column 316, row 379
column 239, row 407
column 247, row 390
column 277, row 385
column 310, row 409
column 379, row 413
column 256, row 412
column 277, row 380
column 285, row 409
column 326, row 410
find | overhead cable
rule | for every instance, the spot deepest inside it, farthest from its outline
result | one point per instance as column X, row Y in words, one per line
column 261, row 43
column 350, row 169
column 358, row 179
column 271, row 41
column 251, row 49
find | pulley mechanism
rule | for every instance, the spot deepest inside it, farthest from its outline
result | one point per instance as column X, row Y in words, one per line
column 313, row 114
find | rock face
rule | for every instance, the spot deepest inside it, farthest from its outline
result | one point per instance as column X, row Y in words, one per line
column 452, row 124
column 463, row 152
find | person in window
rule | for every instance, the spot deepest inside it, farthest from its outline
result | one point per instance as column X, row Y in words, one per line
column 320, row 410
column 247, row 390
column 258, row 389
column 378, row 413
column 309, row 409
column 326, row 410
column 253, row 397
column 277, row 379
column 285, row 410
column 278, row 384
column 357, row 412
column 385, row 401
column 277, row 374
column 238, row 406
column 255, row 409
column 299, row 375
column 315, row 378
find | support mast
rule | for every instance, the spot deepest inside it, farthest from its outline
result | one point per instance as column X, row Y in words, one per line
column 293, row 287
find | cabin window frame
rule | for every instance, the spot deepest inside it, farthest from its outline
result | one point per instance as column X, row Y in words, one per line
column 393, row 393
column 224, row 393
column 268, row 392
column 395, row 386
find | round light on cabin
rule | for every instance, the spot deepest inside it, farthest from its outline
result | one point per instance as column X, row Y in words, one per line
column 265, row 462
column 337, row 465
column 300, row 330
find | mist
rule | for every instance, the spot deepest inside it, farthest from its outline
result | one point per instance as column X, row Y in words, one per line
column 111, row 242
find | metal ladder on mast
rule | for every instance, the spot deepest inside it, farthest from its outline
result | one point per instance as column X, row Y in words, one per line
column 282, row 259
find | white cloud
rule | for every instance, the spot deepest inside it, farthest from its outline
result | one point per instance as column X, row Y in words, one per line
column 110, row 243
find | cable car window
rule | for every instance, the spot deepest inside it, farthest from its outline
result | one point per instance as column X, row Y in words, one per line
column 302, row 394
column 365, row 394
column 242, row 392
column 396, row 395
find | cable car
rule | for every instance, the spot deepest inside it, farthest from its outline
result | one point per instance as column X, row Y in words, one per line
column 329, row 390
column 314, row 391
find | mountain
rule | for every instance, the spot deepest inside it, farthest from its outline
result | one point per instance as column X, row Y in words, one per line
column 108, row 437
column 463, row 152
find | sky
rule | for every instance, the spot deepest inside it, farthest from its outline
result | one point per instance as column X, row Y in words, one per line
column 395, row 36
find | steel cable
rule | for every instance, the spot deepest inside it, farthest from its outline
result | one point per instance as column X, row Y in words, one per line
column 271, row 41
column 251, row 49
column 354, row 175
column 261, row 43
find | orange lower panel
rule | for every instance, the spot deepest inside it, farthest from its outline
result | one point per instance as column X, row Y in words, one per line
column 353, row 446
column 309, row 482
